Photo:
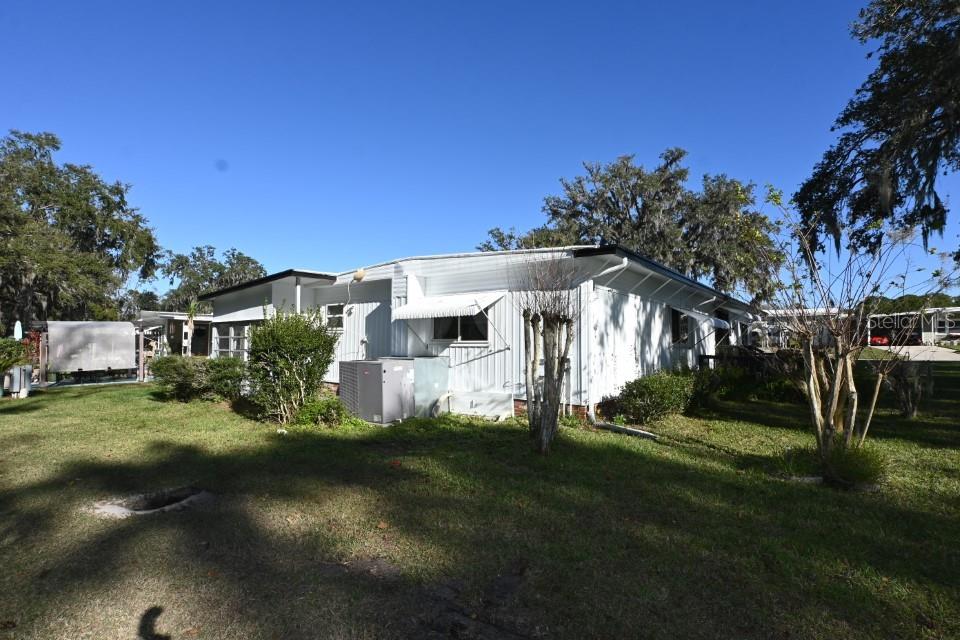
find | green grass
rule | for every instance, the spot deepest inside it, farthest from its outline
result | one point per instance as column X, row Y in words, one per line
column 423, row 528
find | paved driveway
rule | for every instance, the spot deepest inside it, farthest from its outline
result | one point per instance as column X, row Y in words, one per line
column 928, row 354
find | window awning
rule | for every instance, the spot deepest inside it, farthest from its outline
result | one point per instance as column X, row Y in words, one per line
column 460, row 304
column 716, row 323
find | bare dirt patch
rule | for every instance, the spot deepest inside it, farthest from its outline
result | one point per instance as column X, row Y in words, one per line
column 149, row 503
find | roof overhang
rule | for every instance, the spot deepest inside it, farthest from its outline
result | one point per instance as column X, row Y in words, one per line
column 659, row 269
column 306, row 277
column 154, row 316
column 461, row 304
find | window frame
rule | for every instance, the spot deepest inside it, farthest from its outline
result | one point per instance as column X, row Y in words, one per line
column 677, row 317
column 327, row 315
column 459, row 341
column 238, row 344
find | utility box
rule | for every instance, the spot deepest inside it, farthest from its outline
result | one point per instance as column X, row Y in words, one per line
column 431, row 381
column 379, row 391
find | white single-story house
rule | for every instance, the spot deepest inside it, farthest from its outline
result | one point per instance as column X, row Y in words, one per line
column 635, row 317
column 934, row 324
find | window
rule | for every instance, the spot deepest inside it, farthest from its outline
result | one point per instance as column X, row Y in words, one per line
column 335, row 316
column 461, row 328
column 722, row 336
column 232, row 340
column 680, row 328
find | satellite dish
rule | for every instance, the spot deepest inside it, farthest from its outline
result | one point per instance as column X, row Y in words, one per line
column 17, row 331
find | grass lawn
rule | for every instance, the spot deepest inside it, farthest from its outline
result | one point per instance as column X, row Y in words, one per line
column 454, row 529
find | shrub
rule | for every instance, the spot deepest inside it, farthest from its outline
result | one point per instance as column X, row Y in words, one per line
column 225, row 376
column 657, row 396
column 12, row 353
column 325, row 410
column 721, row 383
column 572, row 421
column 798, row 462
column 182, row 377
column 854, row 466
column 289, row 355
column 781, row 390
column 907, row 385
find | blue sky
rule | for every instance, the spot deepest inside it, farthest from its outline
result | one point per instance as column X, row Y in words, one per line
column 332, row 135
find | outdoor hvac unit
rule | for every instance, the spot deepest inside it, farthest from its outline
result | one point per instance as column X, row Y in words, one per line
column 378, row 391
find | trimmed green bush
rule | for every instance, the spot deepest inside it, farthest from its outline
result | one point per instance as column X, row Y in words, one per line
column 289, row 356
column 325, row 410
column 225, row 376
column 12, row 353
column 852, row 467
column 657, row 396
column 182, row 377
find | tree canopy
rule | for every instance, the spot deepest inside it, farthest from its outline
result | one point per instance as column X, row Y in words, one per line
column 200, row 271
column 898, row 134
column 68, row 238
column 712, row 233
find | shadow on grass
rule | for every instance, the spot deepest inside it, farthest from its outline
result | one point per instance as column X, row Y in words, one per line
column 147, row 629
column 616, row 536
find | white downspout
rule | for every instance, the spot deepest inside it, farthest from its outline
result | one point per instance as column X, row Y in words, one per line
column 615, row 268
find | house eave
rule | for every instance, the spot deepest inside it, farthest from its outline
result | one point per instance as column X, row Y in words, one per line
column 273, row 277
column 656, row 267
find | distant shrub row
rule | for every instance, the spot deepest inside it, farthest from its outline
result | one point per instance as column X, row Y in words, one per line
column 191, row 378
column 664, row 393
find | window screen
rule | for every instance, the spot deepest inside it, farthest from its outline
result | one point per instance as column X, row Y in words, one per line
column 445, row 328
column 461, row 328
column 232, row 340
column 335, row 316
column 473, row 327
column 679, row 327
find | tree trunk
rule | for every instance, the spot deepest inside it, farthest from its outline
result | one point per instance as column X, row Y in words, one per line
column 852, row 398
column 532, row 337
column 873, row 406
column 550, row 410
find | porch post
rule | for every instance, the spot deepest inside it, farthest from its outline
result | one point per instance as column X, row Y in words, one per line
column 141, row 367
column 297, row 305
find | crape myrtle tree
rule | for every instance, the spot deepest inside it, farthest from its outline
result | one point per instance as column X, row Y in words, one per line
column 714, row 233
column 898, row 135
column 548, row 303
column 824, row 305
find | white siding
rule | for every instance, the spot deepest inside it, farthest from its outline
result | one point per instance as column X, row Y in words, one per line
column 242, row 305
column 631, row 337
column 366, row 321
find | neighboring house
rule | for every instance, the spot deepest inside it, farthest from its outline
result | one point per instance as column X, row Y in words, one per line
column 635, row 317
column 934, row 324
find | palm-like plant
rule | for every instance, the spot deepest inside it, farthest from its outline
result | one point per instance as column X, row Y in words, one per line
column 192, row 310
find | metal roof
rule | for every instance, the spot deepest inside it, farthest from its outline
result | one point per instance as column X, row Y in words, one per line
column 297, row 273
column 577, row 251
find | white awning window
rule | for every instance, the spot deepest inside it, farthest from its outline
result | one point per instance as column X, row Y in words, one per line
column 460, row 304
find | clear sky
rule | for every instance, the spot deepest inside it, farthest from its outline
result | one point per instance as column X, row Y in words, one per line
column 333, row 135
